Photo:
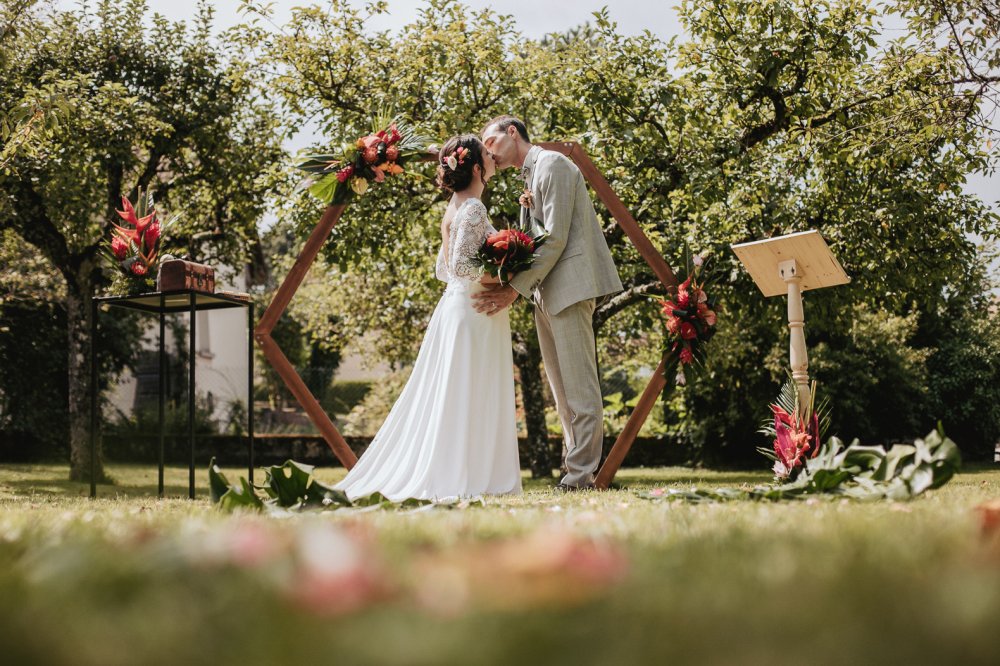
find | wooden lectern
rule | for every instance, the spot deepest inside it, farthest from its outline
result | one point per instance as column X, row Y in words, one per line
column 790, row 265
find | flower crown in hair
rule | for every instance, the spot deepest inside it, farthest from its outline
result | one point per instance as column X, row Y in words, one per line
column 457, row 158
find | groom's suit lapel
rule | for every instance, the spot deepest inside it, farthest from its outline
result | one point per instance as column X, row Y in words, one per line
column 527, row 219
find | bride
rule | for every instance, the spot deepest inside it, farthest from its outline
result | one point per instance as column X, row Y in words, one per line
column 452, row 432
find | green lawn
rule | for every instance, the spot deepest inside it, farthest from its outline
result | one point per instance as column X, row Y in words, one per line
column 541, row 578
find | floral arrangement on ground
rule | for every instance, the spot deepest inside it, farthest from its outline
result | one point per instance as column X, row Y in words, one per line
column 804, row 467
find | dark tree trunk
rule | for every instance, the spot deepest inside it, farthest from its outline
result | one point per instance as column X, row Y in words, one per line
column 78, row 322
column 528, row 359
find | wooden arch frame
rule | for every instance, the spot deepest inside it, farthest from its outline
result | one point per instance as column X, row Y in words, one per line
column 305, row 398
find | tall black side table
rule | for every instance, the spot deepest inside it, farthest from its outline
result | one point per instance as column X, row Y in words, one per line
column 164, row 303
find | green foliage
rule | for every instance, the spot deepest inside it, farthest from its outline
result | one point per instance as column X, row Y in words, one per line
column 293, row 486
column 34, row 396
column 964, row 379
column 875, row 375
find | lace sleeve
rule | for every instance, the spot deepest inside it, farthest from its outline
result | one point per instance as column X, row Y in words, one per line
column 472, row 224
column 440, row 270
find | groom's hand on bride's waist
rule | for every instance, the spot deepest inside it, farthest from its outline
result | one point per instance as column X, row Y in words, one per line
column 494, row 299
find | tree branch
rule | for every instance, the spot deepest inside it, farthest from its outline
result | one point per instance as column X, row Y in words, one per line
column 624, row 299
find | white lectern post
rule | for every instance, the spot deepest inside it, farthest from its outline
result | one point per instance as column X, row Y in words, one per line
column 790, row 265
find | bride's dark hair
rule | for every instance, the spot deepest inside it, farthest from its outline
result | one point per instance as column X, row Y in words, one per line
column 454, row 172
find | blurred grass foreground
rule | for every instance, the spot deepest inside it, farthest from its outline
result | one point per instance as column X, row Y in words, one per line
column 541, row 578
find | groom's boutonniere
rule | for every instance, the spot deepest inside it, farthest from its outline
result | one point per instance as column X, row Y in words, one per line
column 526, row 199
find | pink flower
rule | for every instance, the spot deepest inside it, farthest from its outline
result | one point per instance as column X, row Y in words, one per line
column 697, row 260
column 673, row 324
column 119, row 247
column 688, row 331
column 686, row 356
column 139, row 268
column 392, row 153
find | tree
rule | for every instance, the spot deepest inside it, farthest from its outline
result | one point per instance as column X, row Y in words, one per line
column 773, row 117
column 154, row 105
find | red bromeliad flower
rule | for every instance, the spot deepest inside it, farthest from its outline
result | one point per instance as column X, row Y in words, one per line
column 794, row 439
column 119, row 247
column 152, row 235
column 683, row 295
column 345, row 173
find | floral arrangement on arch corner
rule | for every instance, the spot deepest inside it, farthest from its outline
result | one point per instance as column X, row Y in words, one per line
column 690, row 318
column 335, row 178
column 134, row 249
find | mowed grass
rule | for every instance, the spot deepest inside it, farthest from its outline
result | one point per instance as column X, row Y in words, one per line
column 130, row 578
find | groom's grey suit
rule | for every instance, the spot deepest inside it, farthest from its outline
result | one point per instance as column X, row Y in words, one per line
column 573, row 268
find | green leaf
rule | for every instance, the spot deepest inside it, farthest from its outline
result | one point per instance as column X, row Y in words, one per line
column 242, row 497
column 218, row 484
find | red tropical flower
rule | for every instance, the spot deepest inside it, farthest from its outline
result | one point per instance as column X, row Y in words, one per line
column 688, row 331
column 345, row 173
column 119, row 247
column 152, row 235
column 392, row 135
column 686, row 355
column 684, row 295
column 139, row 268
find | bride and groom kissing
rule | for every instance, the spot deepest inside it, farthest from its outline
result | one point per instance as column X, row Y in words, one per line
column 453, row 430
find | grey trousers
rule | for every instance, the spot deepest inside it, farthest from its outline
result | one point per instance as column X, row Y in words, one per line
column 570, row 355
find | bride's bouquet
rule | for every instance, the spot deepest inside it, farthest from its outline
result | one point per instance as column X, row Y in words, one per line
column 508, row 252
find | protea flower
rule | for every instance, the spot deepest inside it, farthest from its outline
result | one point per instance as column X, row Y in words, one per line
column 139, row 268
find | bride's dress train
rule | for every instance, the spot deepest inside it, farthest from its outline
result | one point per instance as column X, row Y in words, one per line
column 453, row 430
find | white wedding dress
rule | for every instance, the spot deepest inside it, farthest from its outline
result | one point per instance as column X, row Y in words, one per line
column 453, row 430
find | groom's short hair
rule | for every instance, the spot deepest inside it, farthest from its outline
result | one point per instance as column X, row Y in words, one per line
column 505, row 121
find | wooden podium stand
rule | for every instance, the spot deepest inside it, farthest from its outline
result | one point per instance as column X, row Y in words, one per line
column 790, row 265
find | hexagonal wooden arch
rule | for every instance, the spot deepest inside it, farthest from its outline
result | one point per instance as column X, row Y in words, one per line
column 305, row 398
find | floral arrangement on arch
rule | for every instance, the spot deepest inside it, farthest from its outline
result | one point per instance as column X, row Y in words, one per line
column 690, row 319
column 134, row 249
column 336, row 178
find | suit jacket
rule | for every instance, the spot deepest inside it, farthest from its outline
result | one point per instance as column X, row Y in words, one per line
column 574, row 264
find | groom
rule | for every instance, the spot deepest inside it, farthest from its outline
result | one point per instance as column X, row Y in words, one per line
column 572, row 269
